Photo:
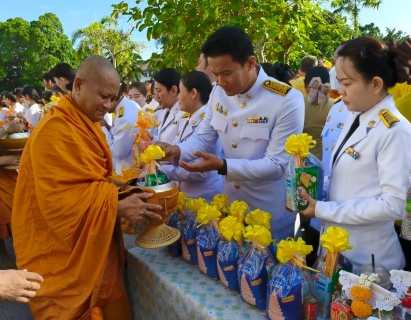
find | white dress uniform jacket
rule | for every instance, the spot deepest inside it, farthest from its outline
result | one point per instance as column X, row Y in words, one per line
column 195, row 184
column 330, row 134
column 367, row 194
column 332, row 130
column 120, row 140
column 252, row 128
column 33, row 114
column 18, row 107
column 335, row 84
column 169, row 122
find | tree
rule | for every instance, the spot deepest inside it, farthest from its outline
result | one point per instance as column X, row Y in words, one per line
column 398, row 35
column 353, row 8
column 328, row 34
column 106, row 38
column 28, row 50
column 370, row 30
column 274, row 26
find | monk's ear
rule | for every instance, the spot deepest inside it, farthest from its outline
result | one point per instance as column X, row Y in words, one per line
column 78, row 82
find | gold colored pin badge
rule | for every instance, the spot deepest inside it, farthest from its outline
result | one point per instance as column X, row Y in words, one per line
column 387, row 117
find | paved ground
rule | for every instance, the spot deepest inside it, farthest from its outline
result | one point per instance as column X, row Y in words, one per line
column 20, row 311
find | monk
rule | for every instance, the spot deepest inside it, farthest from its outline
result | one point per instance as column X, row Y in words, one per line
column 66, row 212
column 8, row 180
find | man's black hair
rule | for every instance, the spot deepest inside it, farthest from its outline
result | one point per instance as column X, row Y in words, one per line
column 229, row 41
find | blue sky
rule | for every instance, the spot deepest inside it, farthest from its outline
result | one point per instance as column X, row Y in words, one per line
column 76, row 14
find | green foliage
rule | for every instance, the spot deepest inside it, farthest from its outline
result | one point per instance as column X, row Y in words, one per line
column 29, row 49
column 371, row 30
column 327, row 35
column 353, row 8
column 277, row 27
column 106, row 38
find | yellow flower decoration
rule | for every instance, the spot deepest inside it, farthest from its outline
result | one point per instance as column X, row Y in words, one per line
column 182, row 199
column 55, row 100
column 207, row 213
column 238, row 209
column 289, row 249
column 258, row 234
column 361, row 309
column 152, row 153
column 230, row 228
column 221, row 202
column 299, row 145
column 259, row 217
column 361, row 293
column 335, row 239
column 195, row 204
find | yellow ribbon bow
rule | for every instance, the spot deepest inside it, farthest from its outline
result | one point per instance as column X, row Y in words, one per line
column 152, row 153
column 259, row 217
column 258, row 234
column 335, row 239
column 290, row 249
column 230, row 228
column 195, row 204
column 207, row 213
column 238, row 209
column 10, row 111
column 221, row 202
column 144, row 122
column 182, row 199
column 299, row 145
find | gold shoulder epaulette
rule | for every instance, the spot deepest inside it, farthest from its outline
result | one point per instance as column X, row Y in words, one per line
column 387, row 117
column 185, row 115
column 336, row 101
column 276, row 87
column 158, row 108
column 121, row 112
column 202, row 116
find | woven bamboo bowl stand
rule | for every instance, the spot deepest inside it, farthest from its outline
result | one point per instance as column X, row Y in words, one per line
column 156, row 234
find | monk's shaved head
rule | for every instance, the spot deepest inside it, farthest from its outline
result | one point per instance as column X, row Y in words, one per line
column 95, row 88
column 96, row 68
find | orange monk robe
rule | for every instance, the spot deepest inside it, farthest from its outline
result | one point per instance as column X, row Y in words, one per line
column 8, row 180
column 64, row 219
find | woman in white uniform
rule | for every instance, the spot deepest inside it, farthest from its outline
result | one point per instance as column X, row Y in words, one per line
column 195, row 89
column 371, row 160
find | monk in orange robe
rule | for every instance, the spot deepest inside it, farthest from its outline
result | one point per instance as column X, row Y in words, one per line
column 65, row 218
column 8, row 180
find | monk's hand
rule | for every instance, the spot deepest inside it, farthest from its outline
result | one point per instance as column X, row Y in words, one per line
column 171, row 151
column 9, row 160
column 210, row 162
column 134, row 209
column 309, row 212
column 18, row 285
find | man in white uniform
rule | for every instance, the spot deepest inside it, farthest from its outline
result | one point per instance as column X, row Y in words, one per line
column 119, row 139
column 253, row 115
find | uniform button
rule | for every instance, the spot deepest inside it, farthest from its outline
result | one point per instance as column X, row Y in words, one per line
column 234, row 145
column 237, row 186
column 326, row 148
column 242, row 105
column 332, row 128
column 329, row 118
column 234, row 123
column 341, row 109
column 248, row 96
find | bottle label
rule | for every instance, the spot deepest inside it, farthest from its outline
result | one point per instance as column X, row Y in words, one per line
column 408, row 205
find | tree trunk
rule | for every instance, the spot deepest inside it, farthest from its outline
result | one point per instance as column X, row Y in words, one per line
column 259, row 48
